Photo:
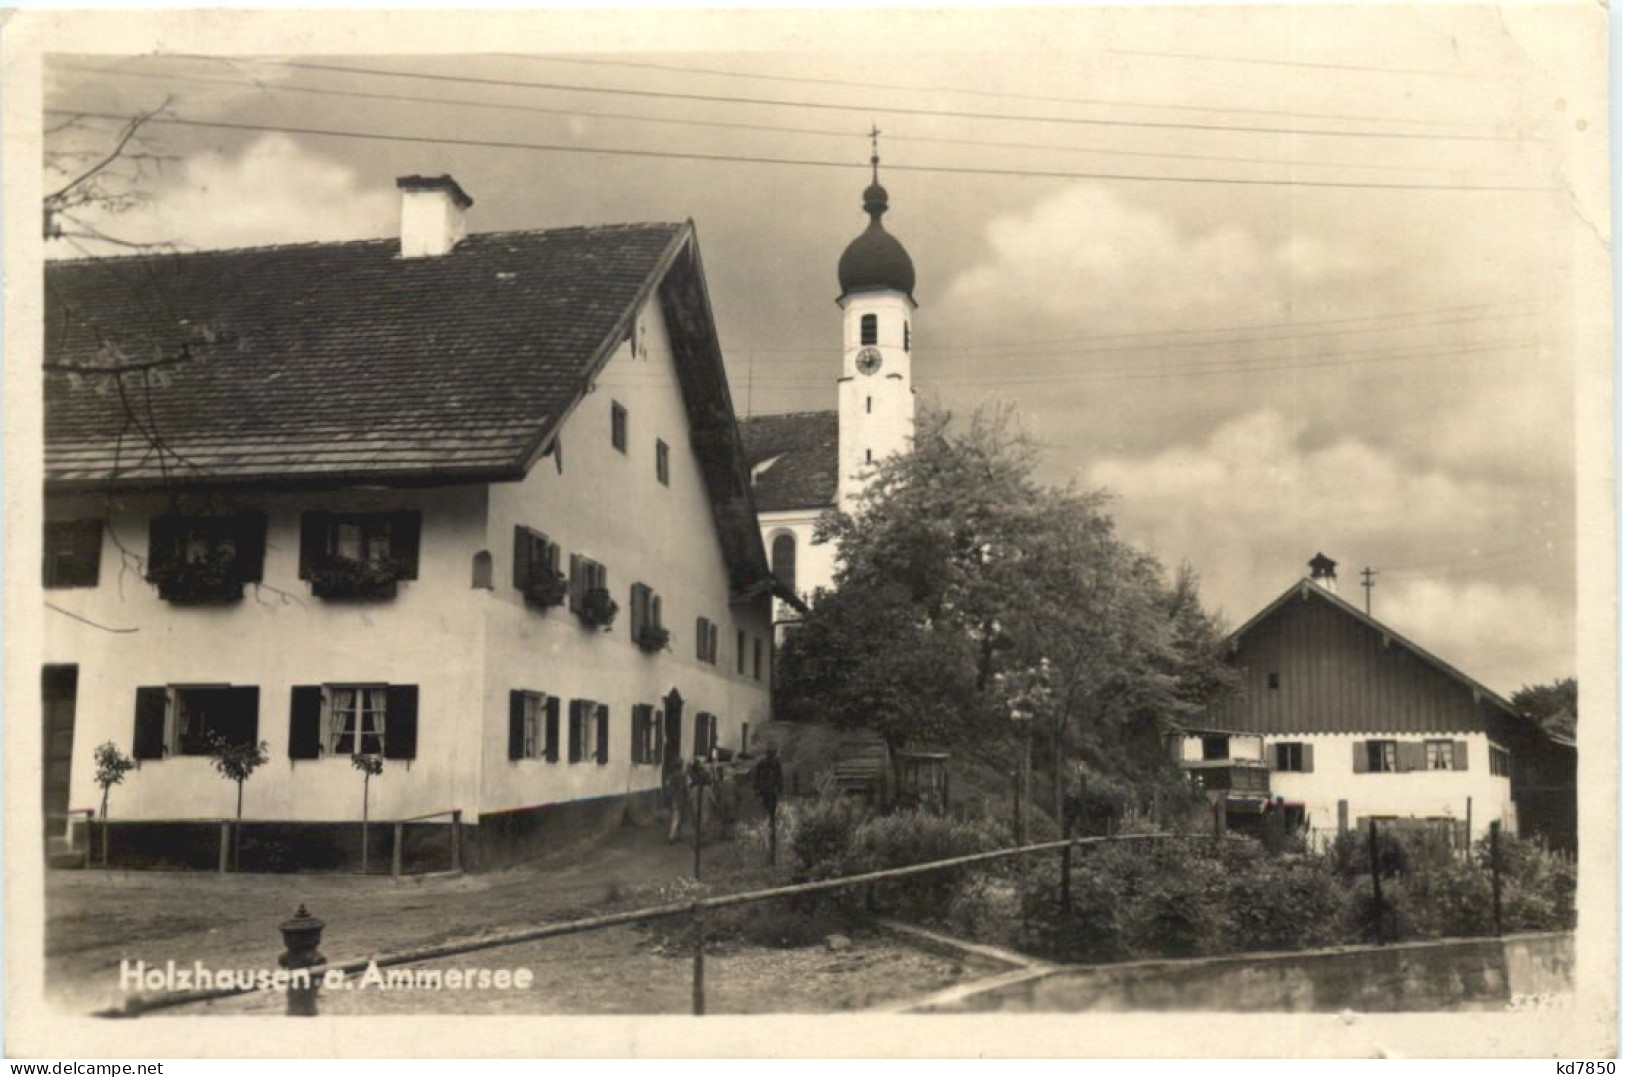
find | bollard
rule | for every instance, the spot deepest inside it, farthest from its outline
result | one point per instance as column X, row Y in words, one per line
column 395, row 851
column 699, row 961
column 225, row 847
column 1376, row 885
column 302, row 935
column 1495, row 873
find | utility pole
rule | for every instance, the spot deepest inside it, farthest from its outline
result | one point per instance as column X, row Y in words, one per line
column 1368, row 580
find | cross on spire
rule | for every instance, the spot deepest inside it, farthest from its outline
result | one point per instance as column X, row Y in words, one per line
column 874, row 151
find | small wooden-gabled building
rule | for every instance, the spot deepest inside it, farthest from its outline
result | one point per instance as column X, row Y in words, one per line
column 1359, row 723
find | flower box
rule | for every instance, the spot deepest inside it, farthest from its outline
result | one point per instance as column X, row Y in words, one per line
column 547, row 589
column 206, row 581
column 598, row 610
column 341, row 577
column 652, row 638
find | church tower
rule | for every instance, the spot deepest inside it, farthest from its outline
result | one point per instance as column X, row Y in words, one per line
column 876, row 387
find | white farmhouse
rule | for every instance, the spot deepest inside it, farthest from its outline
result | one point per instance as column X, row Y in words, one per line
column 476, row 504
column 1341, row 721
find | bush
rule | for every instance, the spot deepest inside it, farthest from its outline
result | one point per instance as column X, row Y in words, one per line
column 820, row 832
column 894, row 841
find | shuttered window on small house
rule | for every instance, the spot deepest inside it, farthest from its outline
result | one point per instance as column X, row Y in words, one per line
column 1293, row 757
column 643, row 733
column 705, row 734
column 601, row 733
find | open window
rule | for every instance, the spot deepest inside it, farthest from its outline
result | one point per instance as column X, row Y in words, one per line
column 191, row 719
column 533, row 726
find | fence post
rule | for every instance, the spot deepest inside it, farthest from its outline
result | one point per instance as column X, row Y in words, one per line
column 1066, row 863
column 1495, row 873
column 698, row 795
column 457, row 839
column 301, row 936
column 225, row 847
column 395, row 851
column 1376, row 884
column 699, row 961
column 1218, row 817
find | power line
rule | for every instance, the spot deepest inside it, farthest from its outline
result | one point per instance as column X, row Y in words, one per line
column 886, row 109
column 996, row 350
column 967, row 92
column 269, row 88
column 616, row 151
column 1232, row 365
column 1271, row 62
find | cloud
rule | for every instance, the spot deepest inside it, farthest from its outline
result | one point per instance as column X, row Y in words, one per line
column 274, row 191
column 1085, row 252
column 1253, row 501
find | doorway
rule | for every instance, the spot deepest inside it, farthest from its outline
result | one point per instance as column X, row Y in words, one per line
column 59, row 692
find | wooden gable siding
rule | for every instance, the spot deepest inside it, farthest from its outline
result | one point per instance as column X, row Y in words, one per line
column 1336, row 675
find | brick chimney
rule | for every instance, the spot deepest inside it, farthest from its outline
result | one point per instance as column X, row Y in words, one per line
column 432, row 215
column 1323, row 570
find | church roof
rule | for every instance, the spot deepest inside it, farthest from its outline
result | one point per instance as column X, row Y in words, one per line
column 794, row 459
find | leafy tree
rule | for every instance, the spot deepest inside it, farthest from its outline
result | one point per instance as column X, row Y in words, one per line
column 237, row 763
column 371, row 765
column 1556, row 706
column 111, row 766
column 957, row 567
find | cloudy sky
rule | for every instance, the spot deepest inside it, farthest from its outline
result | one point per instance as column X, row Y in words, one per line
column 1227, row 263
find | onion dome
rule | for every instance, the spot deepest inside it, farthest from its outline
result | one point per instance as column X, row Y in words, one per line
column 875, row 260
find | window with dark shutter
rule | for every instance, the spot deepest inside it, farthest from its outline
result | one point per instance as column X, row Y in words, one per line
column 550, row 749
column 151, row 707
column 662, row 463
column 1458, row 756
column 869, row 329
column 617, row 426
column 516, row 724
column 73, row 553
column 603, row 733
column 756, row 657
column 578, row 709
column 305, row 723
column 401, row 722
column 740, row 652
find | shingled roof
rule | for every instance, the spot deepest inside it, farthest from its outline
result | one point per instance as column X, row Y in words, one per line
column 801, row 454
column 326, row 365
column 336, row 361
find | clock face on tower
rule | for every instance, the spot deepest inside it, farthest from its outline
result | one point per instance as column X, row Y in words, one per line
column 869, row 360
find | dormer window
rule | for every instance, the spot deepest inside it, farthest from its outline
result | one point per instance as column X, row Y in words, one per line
column 869, row 329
